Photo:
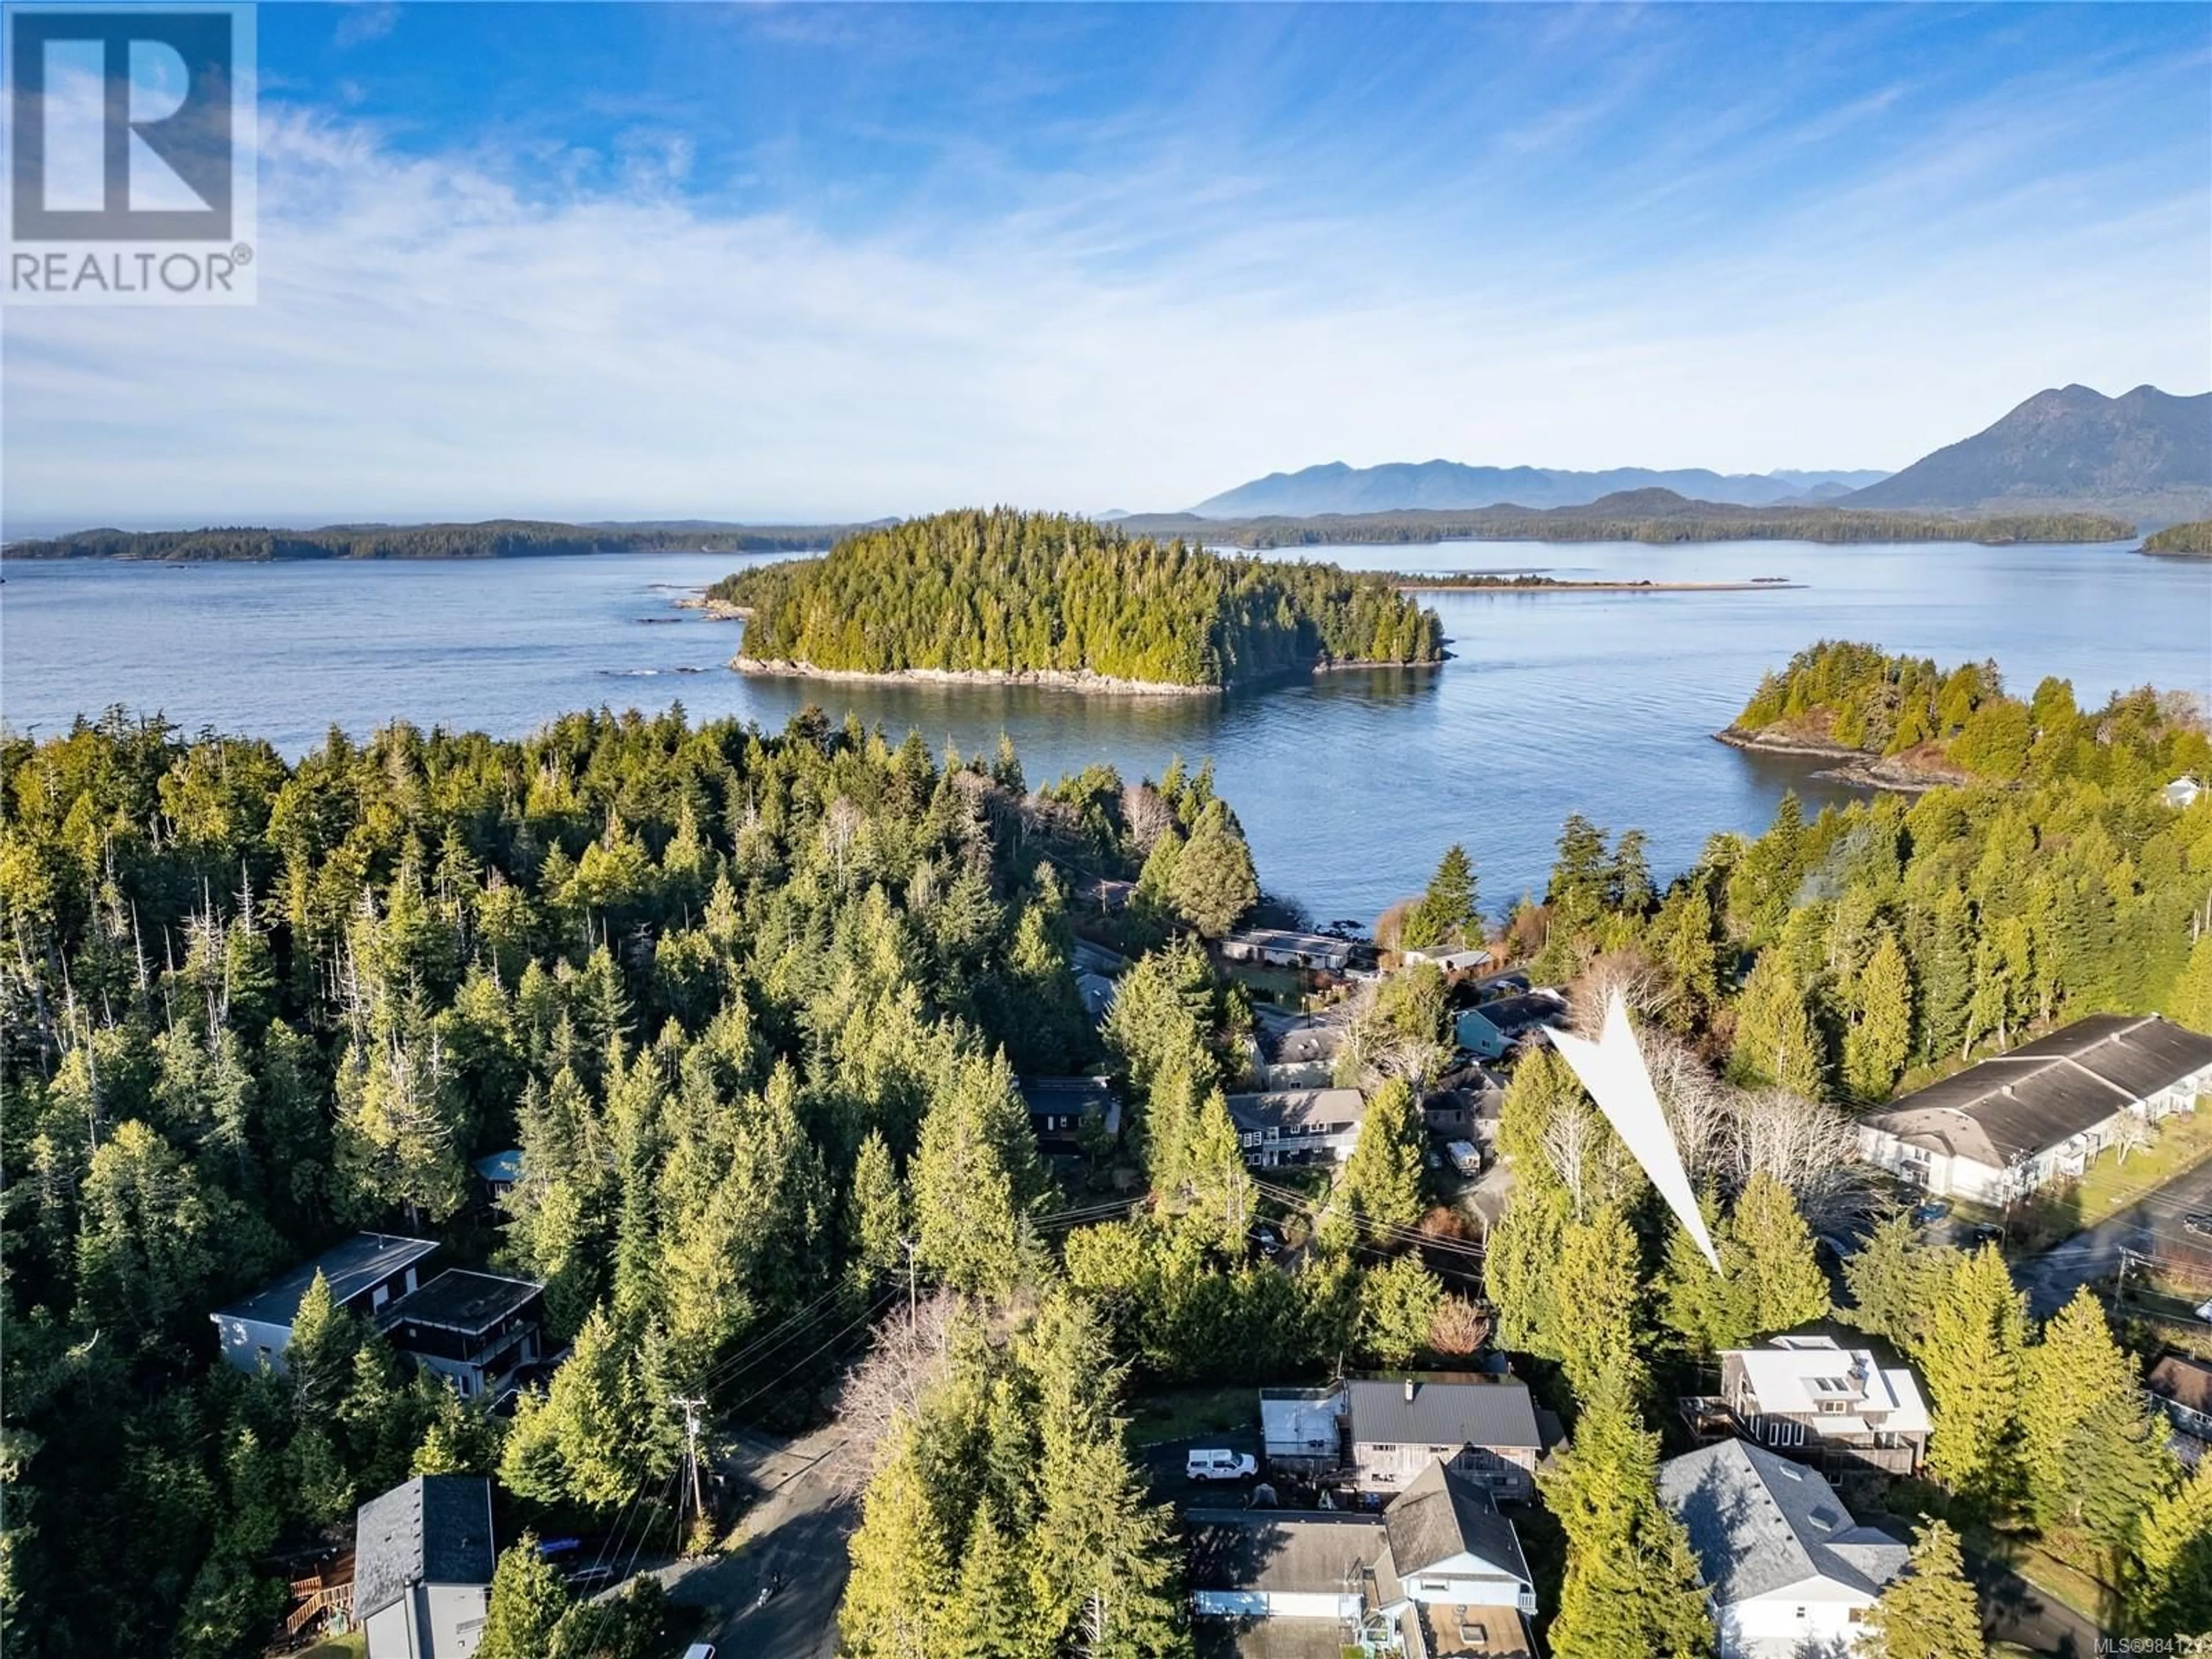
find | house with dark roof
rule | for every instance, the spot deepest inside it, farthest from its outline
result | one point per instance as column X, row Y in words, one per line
column 1481, row 1426
column 1283, row 947
column 1298, row 1126
column 475, row 1330
column 2182, row 1389
column 1440, row 1573
column 366, row 1272
column 422, row 1565
column 1493, row 1030
column 1060, row 1107
column 1787, row 1570
column 2042, row 1111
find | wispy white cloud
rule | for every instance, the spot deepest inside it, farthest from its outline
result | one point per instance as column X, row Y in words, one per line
column 1164, row 308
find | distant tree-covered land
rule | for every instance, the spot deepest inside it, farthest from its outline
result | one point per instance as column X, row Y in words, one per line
column 1009, row 593
column 496, row 539
column 1855, row 698
column 2195, row 537
column 1637, row 515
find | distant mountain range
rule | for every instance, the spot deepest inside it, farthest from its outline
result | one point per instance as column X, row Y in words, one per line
column 1449, row 486
column 2146, row 453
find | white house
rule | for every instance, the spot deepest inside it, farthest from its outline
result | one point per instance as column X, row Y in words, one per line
column 1787, row 1571
column 1281, row 947
column 2181, row 792
column 423, row 1566
column 2040, row 1112
column 1812, row 1398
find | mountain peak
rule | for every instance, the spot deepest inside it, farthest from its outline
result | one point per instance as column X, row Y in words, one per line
column 2147, row 452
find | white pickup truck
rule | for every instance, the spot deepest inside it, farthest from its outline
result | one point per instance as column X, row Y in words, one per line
column 1215, row 1463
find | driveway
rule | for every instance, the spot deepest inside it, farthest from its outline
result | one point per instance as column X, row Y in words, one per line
column 2013, row 1610
column 795, row 1532
column 2094, row 1254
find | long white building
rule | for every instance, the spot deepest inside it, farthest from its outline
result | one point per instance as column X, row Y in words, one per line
column 2041, row 1112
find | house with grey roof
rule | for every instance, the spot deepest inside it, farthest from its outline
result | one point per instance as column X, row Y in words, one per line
column 2040, row 1112
column 365, row 1273
column 1440, row 1574
column 1787, row 1570
column 1483, row 1426
column 1298, row 1126
column 422, row 1564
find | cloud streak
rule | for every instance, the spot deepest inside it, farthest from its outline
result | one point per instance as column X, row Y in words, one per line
column 657, row 317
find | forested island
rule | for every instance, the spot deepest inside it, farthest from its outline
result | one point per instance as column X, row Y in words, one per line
column 1903, row 723
column 496, row 539
column 1637, row 515
column 2194, row 538
column 1010, row 595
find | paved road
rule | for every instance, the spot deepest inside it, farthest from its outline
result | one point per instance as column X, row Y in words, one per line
column 795, row 1532
column 2094, row 1254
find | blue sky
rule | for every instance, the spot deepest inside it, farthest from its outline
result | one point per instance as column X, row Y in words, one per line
column 697, row 260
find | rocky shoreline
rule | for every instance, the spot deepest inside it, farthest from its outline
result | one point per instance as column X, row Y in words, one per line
column 1853, row 766
column 1063, row 679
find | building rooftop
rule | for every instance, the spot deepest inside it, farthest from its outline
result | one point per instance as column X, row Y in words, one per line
column 501, row 1168
column 1509, row 1016
column 351, row 1269
column 1759, row 1523
column 1795, row 1375
column 1442, row 1408
column 1327, row 1552
column 2187, row 1382
column 2014, row 1105
column 1443, row 1515
column 435, row 1529
column 1284, row 938
column 459, row 1300
column 1291, row 1111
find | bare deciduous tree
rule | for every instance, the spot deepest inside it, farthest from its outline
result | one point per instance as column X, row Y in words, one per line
column 904, row 1361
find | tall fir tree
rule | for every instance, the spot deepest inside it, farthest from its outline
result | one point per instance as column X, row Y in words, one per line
column 1929, row 1612
column 1970, row 1360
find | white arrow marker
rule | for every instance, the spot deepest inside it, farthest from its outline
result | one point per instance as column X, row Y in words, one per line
column 1613, row 1070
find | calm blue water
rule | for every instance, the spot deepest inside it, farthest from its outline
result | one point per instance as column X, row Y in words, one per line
column 1350, row 788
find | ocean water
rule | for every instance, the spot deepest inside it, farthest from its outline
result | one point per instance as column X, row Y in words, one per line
column 1349, row 787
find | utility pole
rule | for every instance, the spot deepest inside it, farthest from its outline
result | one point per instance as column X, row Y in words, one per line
column 691, row 1408
column 912, row 1246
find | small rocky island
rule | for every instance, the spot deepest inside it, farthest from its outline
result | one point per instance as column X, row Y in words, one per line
column 1901, row 723
column 1004, row 597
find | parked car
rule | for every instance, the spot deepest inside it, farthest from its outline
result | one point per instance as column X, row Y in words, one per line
column 699, row 1650
column 1219, row 1463
column 589, row 1579
column 1981, row 1233
column 1268, row 1238
column 1933, row 1211
column 1464, row 1157
column 2199, row 1222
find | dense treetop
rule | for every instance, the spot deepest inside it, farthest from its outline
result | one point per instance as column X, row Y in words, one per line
column 1856, row 697
column 497, row 538
column 1005, row 591
column 2195, row 537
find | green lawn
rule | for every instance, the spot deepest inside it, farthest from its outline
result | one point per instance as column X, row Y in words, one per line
column 2087, row 1595
column 2110, row 1185
column 1186, row 1413
column 354, row 1644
